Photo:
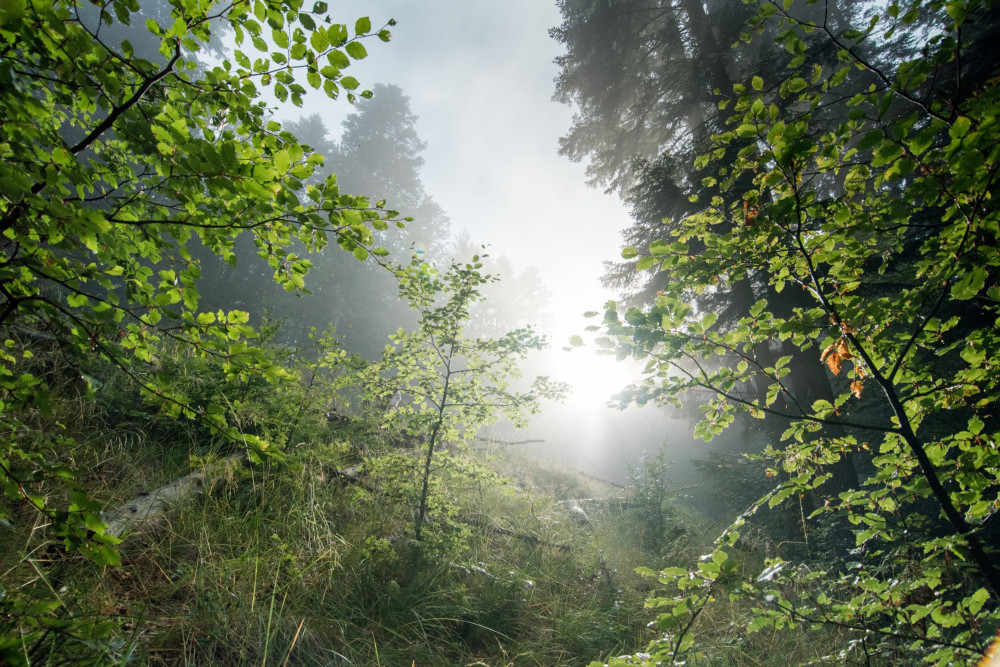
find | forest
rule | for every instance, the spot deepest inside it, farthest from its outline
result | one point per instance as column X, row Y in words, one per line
column 262, row 401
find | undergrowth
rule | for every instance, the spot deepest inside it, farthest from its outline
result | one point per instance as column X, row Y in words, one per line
column 292, row 562
column 309, row 558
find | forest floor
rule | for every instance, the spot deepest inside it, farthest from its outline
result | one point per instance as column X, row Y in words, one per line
column 308, row 558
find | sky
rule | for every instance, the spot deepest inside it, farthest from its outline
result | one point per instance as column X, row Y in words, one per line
column 480, row 78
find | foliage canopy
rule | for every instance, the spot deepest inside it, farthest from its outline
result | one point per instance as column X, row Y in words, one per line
column 115, row 166
column 880, row 216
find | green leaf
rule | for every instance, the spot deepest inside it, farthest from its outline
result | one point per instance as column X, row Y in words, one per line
column 796, row 84
column 970, row 284
column 976, row 425
column 660, row 247
column 356, row 50
column 956, row 10
column 77, row 300
column 11, row 11
column 871, row 139
column 672, row 572
column 363, row 26
column 646, row 262
column 822, row 406
column 338, row 59
column 319, row 40
column 974, row 603
column 960, row 127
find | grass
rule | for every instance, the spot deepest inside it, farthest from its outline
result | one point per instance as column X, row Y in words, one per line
column 289, row 564
column 284, row 564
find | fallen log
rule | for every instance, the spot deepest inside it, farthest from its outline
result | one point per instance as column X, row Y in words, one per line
column 149, row 509
column 598, row 503
column 508, row 442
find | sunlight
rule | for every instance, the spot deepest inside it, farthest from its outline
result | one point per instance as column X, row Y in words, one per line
column 593, row 378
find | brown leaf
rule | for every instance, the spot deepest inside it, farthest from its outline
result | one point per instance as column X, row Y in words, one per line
column 857, row 387
column 832, row 358
column 833, row 363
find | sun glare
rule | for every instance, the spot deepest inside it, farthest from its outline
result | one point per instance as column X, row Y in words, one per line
column 593, row 378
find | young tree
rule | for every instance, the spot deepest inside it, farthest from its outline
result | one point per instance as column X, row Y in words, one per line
column 446, row 385
column 113, row 164
column 887, row 222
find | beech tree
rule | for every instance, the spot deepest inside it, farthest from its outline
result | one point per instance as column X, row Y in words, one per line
column 647, row 78
column 114, row 165
column 886, row 222
column 445, row 383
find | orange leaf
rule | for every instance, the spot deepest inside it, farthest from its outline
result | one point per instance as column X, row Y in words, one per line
column 833, row 363
column 843, row 350
column 992, row 657
column 832, row 358
column 857, row 387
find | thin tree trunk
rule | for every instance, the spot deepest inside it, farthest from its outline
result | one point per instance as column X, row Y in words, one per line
column 422, row 510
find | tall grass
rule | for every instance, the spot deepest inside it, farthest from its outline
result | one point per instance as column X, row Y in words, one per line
column 286, row 564
column 291, row 564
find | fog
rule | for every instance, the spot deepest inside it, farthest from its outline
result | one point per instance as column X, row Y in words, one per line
column 479, row 79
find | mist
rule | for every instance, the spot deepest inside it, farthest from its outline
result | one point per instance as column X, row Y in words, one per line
column 464, row 333
column 482, row 152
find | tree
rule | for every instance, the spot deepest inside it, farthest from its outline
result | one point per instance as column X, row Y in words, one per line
column 446, row 386
column 514, row 299
column 379, row 154
column 668, row 62
column 642, row 76
column 887, row 222
column 112, row 167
